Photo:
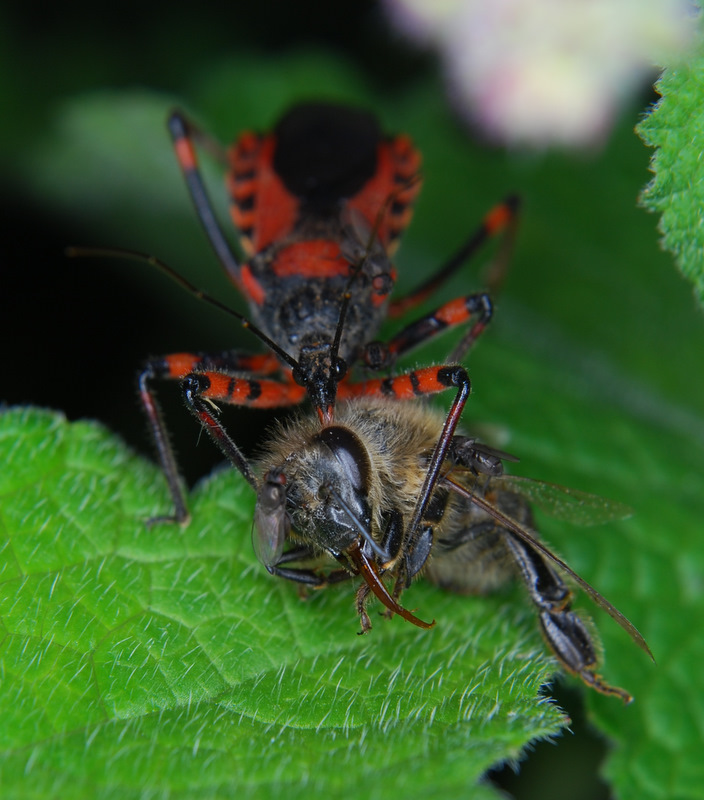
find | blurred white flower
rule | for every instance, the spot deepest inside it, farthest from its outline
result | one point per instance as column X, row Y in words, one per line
column 541, row 72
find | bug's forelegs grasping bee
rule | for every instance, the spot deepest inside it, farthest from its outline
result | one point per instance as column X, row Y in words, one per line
column 346, row 534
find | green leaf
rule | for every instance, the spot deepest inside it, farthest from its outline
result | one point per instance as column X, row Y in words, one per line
column 675, row 127
column 591, row 373
column 138, row 660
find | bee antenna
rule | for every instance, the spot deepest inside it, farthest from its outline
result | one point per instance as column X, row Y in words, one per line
column 116, row 252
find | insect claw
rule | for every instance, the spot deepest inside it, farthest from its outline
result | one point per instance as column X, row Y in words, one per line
column 599, row 684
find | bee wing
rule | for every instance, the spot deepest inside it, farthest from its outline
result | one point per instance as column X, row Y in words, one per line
column 527, row 537
column 271, row 524
column 567, row 505
column 493, row 451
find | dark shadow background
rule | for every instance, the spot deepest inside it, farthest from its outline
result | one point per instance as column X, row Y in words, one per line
column 73, row 338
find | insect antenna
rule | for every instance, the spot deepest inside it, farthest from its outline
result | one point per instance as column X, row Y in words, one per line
column 116, row 252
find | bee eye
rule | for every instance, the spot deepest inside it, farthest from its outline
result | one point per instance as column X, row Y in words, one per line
column 271, row 522
column 350, row 453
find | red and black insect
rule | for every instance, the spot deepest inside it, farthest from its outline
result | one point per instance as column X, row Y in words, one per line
column 319, row 204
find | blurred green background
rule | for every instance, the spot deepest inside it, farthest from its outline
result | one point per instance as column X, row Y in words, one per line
column 74, row 333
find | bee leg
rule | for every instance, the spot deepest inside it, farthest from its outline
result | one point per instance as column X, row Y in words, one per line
column 570, row 641
column 361, row 598
column 565, row 633
column 416, row 557
column 392, row 538
column 406, row 565
column 306, row 578
column 392, row 541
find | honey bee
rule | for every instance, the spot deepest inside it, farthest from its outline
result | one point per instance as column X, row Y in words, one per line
column 350, row 499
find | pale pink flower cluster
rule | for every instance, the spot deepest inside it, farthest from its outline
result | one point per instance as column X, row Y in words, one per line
column 541, row 72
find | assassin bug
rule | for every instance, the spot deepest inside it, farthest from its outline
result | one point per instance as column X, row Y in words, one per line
column 319, row 204
column 356, row 484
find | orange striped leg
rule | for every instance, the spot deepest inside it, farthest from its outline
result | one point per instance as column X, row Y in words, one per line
column 184, row 134
column 379, row 355
column 203, row 386
column 417, row 383
column 500, row 220
column 178, row 365
column 202, row 390
column 221, row 387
